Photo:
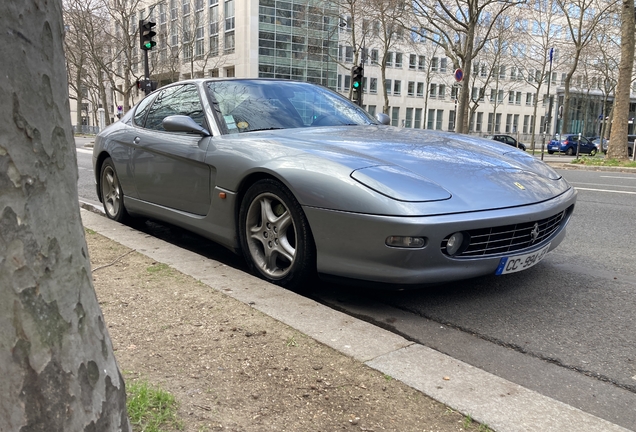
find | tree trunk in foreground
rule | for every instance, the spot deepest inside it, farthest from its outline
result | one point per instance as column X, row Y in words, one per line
column 57, row 368
column 618, row 138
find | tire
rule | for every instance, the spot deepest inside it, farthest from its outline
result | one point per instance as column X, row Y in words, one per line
column 592, row 152
column 275, row 237
column 112, row 194
column 570, row 151
column 550, row 152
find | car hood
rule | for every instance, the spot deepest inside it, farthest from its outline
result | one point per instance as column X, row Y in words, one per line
column 421, row 166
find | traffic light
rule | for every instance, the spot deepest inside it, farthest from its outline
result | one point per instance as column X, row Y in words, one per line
column 357, row 73
column 146, row 34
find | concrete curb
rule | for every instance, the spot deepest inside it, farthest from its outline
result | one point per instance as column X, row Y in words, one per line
column 488, row 399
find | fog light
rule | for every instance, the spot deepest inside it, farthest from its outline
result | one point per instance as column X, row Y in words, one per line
column 454, row 243
column 406, row 242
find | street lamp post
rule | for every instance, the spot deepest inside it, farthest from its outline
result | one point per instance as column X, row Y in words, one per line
column 549, row 114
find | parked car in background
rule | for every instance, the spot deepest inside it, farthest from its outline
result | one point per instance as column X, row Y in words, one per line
column 601, row 147
column 568, row 144
column 507, row 139
column 630, row 145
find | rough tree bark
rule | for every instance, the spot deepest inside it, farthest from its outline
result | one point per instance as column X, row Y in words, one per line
column 618, row 138
column 57, row 368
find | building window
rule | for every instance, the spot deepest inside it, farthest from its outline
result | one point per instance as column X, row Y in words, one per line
column 430, row 121
column 498, row 122
column 395, row 116
column 451, row 120
column 508, row 123
column 518, row 98
column 442, row 66
column 480, row 119
column 418, row 118
column 348, row 54
column 214, row 30
column 515, row 123
column 387, row 86
column 389, row 59
column 398, row 60
column 397, row 88
column 434, row 64
column 440, row 118
column 408, row 121
column 374, row 56
column 441, row 93
column 347, row 82
column 502, row 72
column 411, row 88
column 421, row 63
column 420, row 89
column 229, row 15
column 490, row 119
column 432, row 91
column 526, row 122
column 511, row 97
column 529, row 99
column 412, row 62
column 373, row 86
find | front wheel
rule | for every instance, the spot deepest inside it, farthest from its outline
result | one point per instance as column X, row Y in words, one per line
column 275, row 236
column 112, row 194
column 593, row 152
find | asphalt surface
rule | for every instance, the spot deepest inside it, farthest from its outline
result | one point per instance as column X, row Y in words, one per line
column 486, row 397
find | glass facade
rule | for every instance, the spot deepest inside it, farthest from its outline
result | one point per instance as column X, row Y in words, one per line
column 298, row 40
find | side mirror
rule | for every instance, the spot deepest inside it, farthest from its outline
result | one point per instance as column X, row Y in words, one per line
column 183, row 123
column 383, row 118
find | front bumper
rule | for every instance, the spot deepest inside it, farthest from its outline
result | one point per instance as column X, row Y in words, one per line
column 352, row 246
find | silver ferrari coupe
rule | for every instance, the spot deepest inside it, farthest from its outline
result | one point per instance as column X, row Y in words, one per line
column 303, row 182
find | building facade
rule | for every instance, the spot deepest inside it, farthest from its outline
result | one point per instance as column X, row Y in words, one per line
column 310, row 40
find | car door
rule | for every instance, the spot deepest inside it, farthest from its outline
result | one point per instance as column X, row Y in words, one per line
column 169, row 167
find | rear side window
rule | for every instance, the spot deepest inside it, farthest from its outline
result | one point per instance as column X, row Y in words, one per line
column 183, row 100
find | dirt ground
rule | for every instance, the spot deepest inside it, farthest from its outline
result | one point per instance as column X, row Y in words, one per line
column 232, row 368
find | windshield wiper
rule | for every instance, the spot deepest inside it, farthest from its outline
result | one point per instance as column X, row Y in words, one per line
column 265, row 129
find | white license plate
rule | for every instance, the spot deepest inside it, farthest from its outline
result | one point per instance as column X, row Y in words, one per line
column 521, row 262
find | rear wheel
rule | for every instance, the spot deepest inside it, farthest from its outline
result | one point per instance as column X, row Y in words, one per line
column 550, row 152
column 112, row 194
column 593, row 152
column 569, row 151
column 275, row 236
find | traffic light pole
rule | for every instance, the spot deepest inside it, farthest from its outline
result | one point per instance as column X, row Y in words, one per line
column 147, row 85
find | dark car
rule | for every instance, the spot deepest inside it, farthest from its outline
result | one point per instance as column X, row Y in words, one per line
column 568, row 144
column 507, row 139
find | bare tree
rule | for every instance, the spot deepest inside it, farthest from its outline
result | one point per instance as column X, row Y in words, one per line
column 618, row 138
column 461, row 28
column 386, row 32
column 56, row 358
column 581, row 19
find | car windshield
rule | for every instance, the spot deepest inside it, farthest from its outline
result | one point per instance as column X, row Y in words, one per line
column 255, row 105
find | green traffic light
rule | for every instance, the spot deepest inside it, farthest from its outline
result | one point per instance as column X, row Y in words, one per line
column 356, row 84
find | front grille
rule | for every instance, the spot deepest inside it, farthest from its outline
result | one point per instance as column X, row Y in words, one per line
column 508, row 238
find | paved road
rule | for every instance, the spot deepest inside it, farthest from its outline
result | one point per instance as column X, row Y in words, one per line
column 565, row 328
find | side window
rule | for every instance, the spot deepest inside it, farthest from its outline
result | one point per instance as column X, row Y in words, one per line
column 141, row 111
column 183, row 99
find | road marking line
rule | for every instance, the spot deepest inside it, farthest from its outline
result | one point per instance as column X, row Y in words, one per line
column 606, row 190
column 622, row 178
column 607, row 185
column 81, row 150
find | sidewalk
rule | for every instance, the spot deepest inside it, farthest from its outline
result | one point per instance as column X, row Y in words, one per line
column 486, row 398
